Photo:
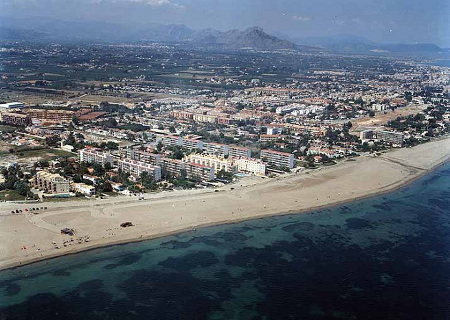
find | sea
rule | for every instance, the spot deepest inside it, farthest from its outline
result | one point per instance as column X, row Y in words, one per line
column 385, row 257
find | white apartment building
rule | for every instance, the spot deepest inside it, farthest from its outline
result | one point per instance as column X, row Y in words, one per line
column 142, row 156
column 171, row 141
column 211, row 161
column 239, row 152
column 172, row 167
column 192, row 144
column 83, row 188
column 279, row 159
column 199, row 172
column 217, row 149
column 94, row 156
column 199, row 117
column 135, row 168
column 392, row 137
column 253, row 166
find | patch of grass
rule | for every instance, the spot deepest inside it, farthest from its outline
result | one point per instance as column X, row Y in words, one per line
column 7, row 128
column 10, row 195
column 134, row 127
column 44, row 154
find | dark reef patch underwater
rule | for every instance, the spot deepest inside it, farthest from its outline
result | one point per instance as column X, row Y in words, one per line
column 386, row 257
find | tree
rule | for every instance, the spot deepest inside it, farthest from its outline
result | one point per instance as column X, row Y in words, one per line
column 105, row 186
column 224, row 175
column 147, row 180
column 75, row 120
column 70, row 139
column 408, row 96
column 108, row 166
column 110, row 145
column 177, row 153
column 111, row 123
column 22, row 188
column 172, row 129
column 53, row 140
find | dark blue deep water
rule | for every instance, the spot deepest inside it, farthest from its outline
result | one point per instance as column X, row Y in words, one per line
column 387, row 257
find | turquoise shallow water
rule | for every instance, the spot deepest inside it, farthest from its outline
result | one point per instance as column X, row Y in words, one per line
column 386, row 257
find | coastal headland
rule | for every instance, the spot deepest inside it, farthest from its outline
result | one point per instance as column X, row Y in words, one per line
column 28, row 237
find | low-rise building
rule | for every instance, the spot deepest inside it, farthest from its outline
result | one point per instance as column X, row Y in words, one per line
column 83, row 188
column 200, row 117
column 391, row 137
column 253, row 166
column 88, row 177
column 51, row 183
column 269, row 137
column 51, row 116
column 15, row 119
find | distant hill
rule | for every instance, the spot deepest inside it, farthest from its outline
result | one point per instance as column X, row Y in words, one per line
column 252, row 38
column 66, row 31
column 52, row 30
column 17, row 34
column 354, row 44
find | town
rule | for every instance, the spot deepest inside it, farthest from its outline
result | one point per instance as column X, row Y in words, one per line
column 96, row 121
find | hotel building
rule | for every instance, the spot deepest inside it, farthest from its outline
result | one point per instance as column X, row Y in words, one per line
column 172, row 167
column 192, row 144
column 136, row 168
column 199, row 172
column 239, row 152
column 211, row 161
column 50, row 183
column 83, row 188
column 216, row 149
column 142, row 156
column 394, row 138
column 15, row 119
column 253, row 166
column 279, row 159
column 94, row 156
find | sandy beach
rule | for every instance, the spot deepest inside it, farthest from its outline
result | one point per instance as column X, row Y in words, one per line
column 170, row 212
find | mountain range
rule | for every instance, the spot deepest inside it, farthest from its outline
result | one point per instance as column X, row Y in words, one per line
column 51, row 30
column 93, row 31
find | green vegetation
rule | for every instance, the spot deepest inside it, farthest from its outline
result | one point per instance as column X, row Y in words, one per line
column 223, row 175
column 134, row 127
column 7, row 129
column 11, row 195
column 45, row 154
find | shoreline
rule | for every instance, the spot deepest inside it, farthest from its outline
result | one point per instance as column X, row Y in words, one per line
column 387, row 161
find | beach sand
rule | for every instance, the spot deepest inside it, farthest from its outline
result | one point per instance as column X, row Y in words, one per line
column 170, row 212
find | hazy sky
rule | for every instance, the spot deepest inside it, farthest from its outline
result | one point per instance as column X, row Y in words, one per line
column 380, row 20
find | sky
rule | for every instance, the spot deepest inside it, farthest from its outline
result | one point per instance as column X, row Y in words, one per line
column 385, row 21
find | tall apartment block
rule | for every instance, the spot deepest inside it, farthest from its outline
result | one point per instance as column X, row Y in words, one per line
column 94, row 156
column 136, row 168
column 279, row 159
